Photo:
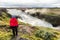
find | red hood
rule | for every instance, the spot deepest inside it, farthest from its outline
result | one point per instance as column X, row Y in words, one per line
column 13, row 22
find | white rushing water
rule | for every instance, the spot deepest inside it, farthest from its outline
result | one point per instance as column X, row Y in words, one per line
column 29, row 19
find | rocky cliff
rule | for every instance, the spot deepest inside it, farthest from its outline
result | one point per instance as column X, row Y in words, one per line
column 52, row 18
column 4, row 17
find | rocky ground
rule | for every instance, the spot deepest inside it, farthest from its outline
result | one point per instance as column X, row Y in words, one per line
column 22, row 30
column 25, row 33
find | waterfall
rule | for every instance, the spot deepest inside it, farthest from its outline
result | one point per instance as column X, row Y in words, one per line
column 29, row 19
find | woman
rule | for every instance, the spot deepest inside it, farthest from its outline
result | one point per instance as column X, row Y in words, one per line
column 14, row 25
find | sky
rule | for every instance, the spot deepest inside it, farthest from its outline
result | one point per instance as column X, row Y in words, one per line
column 29, row 3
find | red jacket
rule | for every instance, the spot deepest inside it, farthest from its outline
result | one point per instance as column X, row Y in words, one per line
column 13, row 22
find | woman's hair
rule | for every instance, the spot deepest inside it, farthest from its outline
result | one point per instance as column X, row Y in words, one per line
column 13, row 16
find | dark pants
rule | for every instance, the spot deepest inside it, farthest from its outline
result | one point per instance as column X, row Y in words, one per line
column 14, row 30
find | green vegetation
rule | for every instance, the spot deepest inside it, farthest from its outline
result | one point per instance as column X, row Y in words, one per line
column 5, row 35
column 45, row 35
column 4, row 18
column 38, row 33
column 52, row 14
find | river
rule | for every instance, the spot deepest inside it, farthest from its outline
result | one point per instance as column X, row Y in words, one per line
column 29, row 19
